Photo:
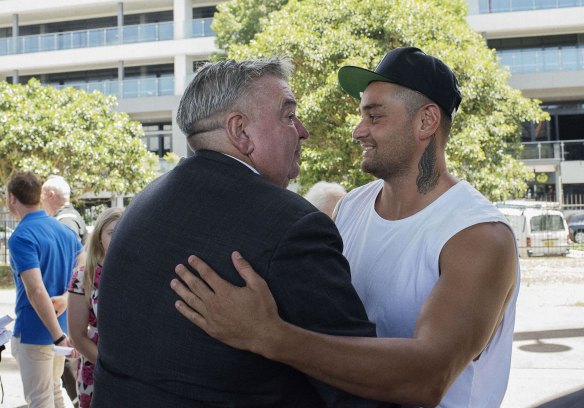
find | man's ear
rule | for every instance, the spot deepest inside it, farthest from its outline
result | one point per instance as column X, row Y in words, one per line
column 429, row 121
column 236, row 124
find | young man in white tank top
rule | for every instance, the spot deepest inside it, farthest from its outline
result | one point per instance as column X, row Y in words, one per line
column 433, row 261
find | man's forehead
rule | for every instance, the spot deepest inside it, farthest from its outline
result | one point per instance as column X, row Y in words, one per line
column 376, row 95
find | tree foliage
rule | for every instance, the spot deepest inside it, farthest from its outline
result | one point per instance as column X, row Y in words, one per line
column 323, row 35
column 75, row 134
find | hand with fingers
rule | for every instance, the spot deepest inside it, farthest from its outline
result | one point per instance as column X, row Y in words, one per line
column 241, row 317
column 59, row 304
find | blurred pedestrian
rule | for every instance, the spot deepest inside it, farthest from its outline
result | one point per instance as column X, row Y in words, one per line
column 42, row 256
column 56, row 200
column 83, row 300
column 325, row 196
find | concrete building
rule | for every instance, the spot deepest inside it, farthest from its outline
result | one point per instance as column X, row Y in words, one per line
column 542, row 43
column 145, row 51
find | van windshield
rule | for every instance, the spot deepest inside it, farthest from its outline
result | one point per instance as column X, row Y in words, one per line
column 547, row 223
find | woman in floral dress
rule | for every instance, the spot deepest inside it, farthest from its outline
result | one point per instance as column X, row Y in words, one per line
column 82, row 307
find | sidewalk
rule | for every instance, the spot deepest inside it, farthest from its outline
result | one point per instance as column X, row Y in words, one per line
column 548, row 347
column 9, row 374
column 548, row 350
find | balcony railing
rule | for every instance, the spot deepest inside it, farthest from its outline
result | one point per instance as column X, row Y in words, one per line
column 201, row 27
column 502, row 6
column 559, row 150
column 128, row 88
column 548, row 59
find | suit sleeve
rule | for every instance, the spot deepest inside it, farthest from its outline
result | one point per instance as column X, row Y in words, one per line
column 311, row 283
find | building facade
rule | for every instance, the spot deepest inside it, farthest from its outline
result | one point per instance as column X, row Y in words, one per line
column 542, row 43
column 142, row 51
column 145, row 52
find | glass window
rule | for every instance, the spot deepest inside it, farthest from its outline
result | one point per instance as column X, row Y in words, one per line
column 112, row 36
column 130, row 88
column 48, row 42
column 167, row 144
column 544, row 4
column 166, row 85
column 507, row 59
column 131, row 34
column 569, row 3
column 519, row 5
column 153, row 143
column 198, row 28
column 529, row 61
column 551, row 59
column 547, row 222
column 148, row 32
column 79, row 39
column 148, row 87
column 112, row 87
column 569, row 57
column 95, row 38
column 5, row 45
column 31, row 43
column 165, row 31
column 498, row 6
column 64, row 41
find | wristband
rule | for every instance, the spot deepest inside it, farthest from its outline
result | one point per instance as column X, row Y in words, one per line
column 60, row 339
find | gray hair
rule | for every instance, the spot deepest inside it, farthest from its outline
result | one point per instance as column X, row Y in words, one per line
column 324, row 195
column 59, row 185
column 217, row 87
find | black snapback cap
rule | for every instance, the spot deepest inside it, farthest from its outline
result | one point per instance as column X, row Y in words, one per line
column 409, row 67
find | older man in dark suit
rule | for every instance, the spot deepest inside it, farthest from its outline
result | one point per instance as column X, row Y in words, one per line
column 240, row 118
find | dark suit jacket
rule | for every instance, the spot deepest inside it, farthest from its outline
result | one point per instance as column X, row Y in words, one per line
column 211, row 205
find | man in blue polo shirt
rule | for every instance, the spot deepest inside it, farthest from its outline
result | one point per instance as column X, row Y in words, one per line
column 42, row 256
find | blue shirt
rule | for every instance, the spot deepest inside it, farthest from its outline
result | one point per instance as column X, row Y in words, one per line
column 40, row 241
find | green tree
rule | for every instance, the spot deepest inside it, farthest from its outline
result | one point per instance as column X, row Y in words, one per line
column 322, row 35
column 75, row 134
column 238, row 21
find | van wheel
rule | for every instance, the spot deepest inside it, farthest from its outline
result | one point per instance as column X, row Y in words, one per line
column 579, row 237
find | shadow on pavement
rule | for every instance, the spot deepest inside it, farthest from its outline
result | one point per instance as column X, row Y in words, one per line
column 548, row 334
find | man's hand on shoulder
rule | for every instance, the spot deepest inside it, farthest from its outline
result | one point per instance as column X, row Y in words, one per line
column 238, row 316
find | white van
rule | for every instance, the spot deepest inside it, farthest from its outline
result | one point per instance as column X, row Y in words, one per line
column 538, row 231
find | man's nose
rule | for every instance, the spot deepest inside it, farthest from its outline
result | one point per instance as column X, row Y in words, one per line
column 359, row 131
column 302, row 131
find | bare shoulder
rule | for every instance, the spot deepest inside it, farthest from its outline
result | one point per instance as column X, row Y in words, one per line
column 484, row 238
column 486, row 247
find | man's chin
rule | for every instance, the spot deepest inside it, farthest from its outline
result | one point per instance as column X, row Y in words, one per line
column 294, row 171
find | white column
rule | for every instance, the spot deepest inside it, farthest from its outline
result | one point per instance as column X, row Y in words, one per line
column 179, row 140
column 15, row 33
column 120, row 79
column 117, row 202
column 182, row 16
column 120, row 14
column 120, row 21
column 183, row 72
column 559, row 186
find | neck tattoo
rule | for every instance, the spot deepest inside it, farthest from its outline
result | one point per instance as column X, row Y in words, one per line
column 428, row 176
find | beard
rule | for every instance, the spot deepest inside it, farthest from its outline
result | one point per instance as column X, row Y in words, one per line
column 389, row 164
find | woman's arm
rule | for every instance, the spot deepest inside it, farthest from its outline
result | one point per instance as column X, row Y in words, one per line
column 78, row 320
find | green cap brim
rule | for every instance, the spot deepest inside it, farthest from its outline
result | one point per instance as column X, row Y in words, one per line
column 354, row 80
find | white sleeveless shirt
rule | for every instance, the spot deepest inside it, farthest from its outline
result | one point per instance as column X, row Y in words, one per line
column 395, row 265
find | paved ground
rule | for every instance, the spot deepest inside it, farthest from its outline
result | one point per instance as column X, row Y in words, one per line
column 548, row 355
